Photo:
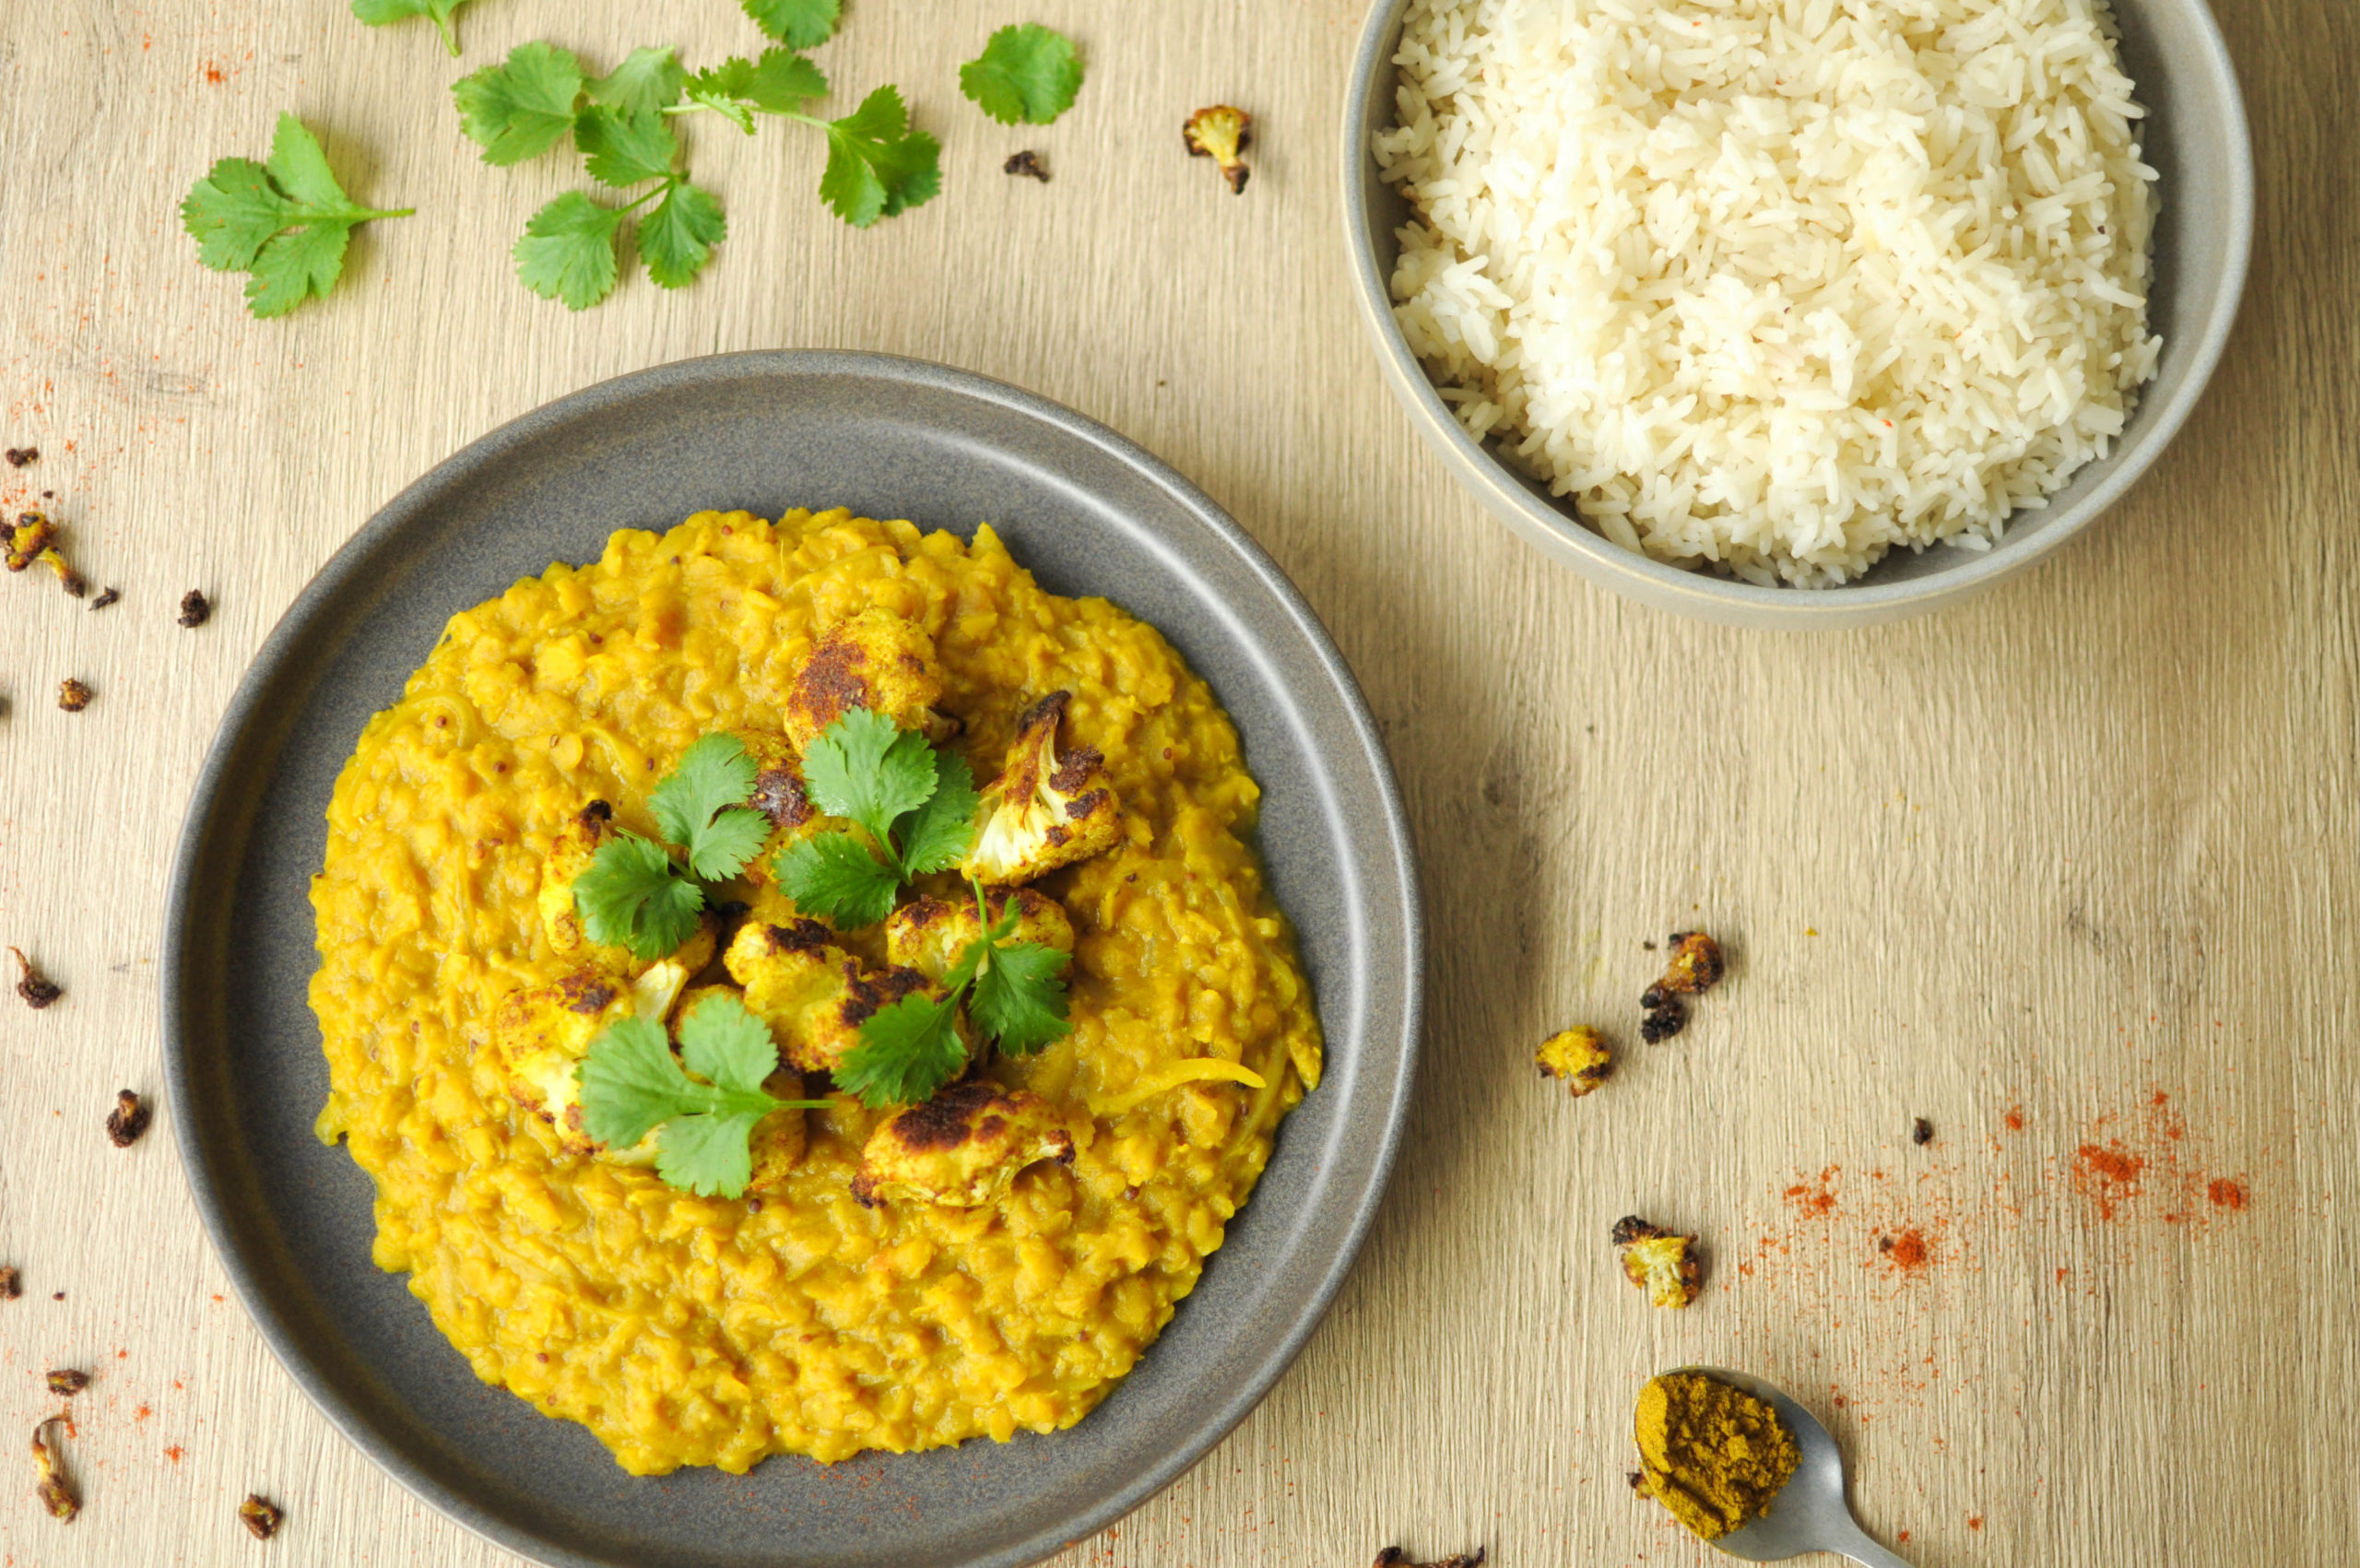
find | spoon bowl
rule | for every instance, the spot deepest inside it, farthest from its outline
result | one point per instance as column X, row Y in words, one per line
column 1809, row 1513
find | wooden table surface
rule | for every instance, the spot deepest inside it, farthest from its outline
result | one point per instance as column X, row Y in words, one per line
column 2060, row 869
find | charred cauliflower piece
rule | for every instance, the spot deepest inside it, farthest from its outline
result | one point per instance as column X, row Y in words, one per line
column 539, row 1036
column 1663, row 1265
column 780, row 1138
column 1221, row 133
column 960, row 1149
column 570, row 855
column 1578, row 1056
column 1042, row 811
column 1694, row 966
column 813, row 995
column 34, row 538
column 928, row 935
column 876, row 660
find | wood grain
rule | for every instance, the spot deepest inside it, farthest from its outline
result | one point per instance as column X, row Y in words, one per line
column 2081, row 844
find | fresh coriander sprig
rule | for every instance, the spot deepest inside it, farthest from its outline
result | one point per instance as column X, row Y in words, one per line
column 632, row 1085
column 1026, row 74
column 286, row 223
column 634, row 894
column 1013, row 990
column 622, row 125
column 916, row 805
column 378, row 13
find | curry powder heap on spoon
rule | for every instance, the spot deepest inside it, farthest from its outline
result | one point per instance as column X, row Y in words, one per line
column 1714, row 1454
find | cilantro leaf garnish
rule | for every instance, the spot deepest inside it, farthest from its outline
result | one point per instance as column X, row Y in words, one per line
column 284, row 223
column 866, row 768
column 1019, row 997
column 568, row 251
column 907, row 1052
column 632, row 1085
column 377, row 13
column 523, row 108
column 701, row 806
column 1026, row 74
column 878, row 167
column 938, row 835
column 632, row 895
column 779, row 83
column 917, row 805
column 799, row 24
column 1013, row 991
column 622, row 147
column 834, row 875
column 678, row 239
column 648, row 80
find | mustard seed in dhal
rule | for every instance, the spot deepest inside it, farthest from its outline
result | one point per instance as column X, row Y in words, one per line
column 1714, row 1454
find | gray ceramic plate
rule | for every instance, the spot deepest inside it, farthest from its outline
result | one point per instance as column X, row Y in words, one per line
column 1091, row 513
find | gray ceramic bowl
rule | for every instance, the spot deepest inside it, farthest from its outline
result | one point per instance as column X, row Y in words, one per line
column 2195, row 138
column 1091, row 513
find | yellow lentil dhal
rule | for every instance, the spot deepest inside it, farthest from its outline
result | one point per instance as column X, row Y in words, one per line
column 696, row 1331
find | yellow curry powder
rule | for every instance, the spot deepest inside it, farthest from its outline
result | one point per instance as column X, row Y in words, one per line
column 1714, row 1454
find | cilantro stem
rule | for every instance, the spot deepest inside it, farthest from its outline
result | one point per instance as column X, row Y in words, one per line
column 450, row 38
column 374, row 212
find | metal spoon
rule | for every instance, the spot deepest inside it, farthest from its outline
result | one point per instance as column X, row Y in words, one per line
column 1809, row 1512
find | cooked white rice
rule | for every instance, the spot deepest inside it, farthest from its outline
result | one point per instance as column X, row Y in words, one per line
column 1776, row 284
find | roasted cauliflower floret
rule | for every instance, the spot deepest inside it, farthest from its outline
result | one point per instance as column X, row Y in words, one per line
column 659, row 985
column 1663, row 1265
column 960, row 1149
column 813, row 995
column 1042, row 811
column 1221, row 133
column 570, row 855
column 928, row 935
column 780, row 1138
column 1578, row 1056
column 876, row 660
column 539, row 1036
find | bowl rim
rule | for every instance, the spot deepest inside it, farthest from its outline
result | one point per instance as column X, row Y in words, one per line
column 1722, row 599
column 211, row 831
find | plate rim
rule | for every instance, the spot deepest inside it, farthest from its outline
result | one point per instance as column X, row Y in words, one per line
column 1394, row 845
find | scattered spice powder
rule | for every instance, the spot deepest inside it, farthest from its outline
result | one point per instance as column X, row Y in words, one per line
column 56, row 1494
column 68, row 1381
column 2014, row 1119
column 2227, row 1193
column 1817, row 1198
column 1908, row 1250
column 176, row 1453
column 73, row 695
column 1027, row 163
column 261, row 1516
column 127, row 1120
column 2110, row 1174
column 195, row 608
column 37, row 989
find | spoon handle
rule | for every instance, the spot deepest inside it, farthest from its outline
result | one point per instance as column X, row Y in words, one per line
column 1862, row 1550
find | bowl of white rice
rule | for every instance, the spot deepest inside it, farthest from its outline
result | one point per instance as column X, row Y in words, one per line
column 1797, row 312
